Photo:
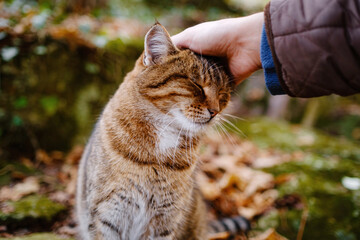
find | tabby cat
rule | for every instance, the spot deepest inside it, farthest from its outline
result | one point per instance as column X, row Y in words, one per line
column 136, row 176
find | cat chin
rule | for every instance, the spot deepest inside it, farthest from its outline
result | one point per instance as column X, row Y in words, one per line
column 186, row 124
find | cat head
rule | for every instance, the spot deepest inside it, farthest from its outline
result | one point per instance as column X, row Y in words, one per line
column 187, row 88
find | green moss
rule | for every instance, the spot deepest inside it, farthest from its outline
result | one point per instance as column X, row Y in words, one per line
column 281, row 135
column 334, row 211
column 39, row 236
column 7, row 169
column 31, row 207
column 38, row 98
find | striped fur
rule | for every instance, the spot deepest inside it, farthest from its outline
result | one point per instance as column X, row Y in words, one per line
column 136, row 176
column 233, row 225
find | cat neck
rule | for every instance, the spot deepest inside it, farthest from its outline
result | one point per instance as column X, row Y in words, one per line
column 134, row 131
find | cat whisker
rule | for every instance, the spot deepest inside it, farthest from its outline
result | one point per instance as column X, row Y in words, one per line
column 166, row 127
column 163, row 129
column 188, row 146
column 210, row 67
column 174, row 106
column 233, row 116
column 177, row 142
column 228, row 137
column 221, row 134
column 233, row 126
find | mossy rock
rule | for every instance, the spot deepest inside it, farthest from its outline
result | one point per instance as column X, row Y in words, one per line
column 8, row 169
column 268, row 133
column 34, row 210
column 39, row 236
column 333, row 210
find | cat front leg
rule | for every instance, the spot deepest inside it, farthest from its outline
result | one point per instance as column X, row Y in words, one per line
column 172, row 236
column 106, row 230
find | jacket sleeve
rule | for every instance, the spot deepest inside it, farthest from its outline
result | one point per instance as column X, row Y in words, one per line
column 267, row 62
column 315, row 46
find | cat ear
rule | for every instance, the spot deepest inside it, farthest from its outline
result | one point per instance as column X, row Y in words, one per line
column 158, row 45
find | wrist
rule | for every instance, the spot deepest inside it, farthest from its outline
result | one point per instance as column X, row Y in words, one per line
column 244, row 47
column 247, row 34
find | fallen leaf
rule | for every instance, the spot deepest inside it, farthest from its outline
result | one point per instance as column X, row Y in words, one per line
column 270, row 234
column 43, row 157
column 73, row 158
column 28, row 186
column 219, row 236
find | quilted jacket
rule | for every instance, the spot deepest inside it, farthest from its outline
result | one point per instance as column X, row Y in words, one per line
column 315, row 47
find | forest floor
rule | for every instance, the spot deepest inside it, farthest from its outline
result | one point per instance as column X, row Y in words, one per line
column 240, row 175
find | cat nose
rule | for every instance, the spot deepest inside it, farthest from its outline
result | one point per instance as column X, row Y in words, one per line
column 213, row 112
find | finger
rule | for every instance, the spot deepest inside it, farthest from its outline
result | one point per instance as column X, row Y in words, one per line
column 181, row 40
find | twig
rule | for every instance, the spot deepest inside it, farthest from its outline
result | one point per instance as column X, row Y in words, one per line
column 304, row 217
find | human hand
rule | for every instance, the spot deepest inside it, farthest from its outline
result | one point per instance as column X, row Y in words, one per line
column 236, row 39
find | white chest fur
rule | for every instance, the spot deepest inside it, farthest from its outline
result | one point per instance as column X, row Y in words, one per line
column 171, row 128
column 168, row 139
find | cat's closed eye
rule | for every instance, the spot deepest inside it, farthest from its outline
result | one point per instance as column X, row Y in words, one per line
column 198, row 86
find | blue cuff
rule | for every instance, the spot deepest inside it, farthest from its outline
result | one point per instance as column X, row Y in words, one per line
column 271, row 78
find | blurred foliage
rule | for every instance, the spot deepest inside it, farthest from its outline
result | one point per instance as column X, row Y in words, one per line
column 58, row 69
column 339, row 116
column 277, row 134
column 318, row 179
column 59, row 66
column 33, row 206
column 39, row 236
column 48, row 98
column 10, row 170
column 34, row 211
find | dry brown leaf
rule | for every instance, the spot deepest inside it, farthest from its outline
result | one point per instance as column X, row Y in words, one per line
column 73, row 158
column 258, row 181
column 229, row 184
column 268, row 161
column 57, row 155
column 270, row 234
column 210, row 190
column 27, row 162
column 283, row 178
column 60, row 196
column 219, row 236
column 28, row 186
column 259, row 203
column 226, row 205
column 71, row 186
column 228, row 180
column 43, row 157
column 247, row 212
